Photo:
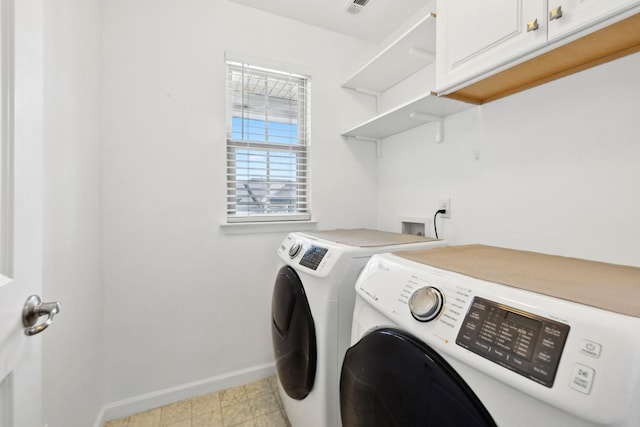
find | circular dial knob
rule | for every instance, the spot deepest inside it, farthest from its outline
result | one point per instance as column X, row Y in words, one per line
column 426, row 303
column 295, row 249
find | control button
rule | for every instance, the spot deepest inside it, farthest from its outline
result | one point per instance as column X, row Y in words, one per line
column 543, row 372
column 590, row 348
column 426, row 303
column 482, row 346
column 519, row 363
column 543, row 356
column 470, row 326
column 549, row 343
column 295, row 249
column 582, row 378
column 552, row 330
column 474, row 314
column 500, row 354
column 465, row 336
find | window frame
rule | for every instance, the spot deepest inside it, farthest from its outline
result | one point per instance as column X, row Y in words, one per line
column 267, row 210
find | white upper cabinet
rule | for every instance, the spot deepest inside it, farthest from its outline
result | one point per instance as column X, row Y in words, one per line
column 475, row 36
column 569, row 16
column 487, row 50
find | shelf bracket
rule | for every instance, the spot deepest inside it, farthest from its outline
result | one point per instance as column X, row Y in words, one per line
column 430, row 118
column 378, row 142
column 375, row 94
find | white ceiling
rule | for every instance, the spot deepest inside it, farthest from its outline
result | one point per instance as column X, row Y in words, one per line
column 377, row 20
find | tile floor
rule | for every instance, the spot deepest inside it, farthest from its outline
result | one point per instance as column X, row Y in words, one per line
column 252, row 405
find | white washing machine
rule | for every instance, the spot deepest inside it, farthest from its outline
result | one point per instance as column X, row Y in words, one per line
column 312, row 308
column 483, row 336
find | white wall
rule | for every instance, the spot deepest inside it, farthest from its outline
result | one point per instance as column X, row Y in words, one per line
column 134, row 152
column 185, row 301
column 73, row 364
column 557, row 170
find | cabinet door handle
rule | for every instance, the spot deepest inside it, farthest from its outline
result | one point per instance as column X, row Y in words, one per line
column 532, row 25
column 555, row 13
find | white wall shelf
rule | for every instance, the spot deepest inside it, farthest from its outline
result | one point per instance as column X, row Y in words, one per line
column 411, row 52
column 426, row 108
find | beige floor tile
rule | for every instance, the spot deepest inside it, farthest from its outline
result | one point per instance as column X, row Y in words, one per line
column 264, row 404
column 273, row 382
column 236, row 414
column 276, row 393
column 146, row 419
column 209, row 419
column 253, row 405
column 175, row 412
column 207, row 403
column 183, row 423
column 258, row 388
column 122, row 422
column 286, row 420
column 232, row 396
column 279, row 400
column 275, row 419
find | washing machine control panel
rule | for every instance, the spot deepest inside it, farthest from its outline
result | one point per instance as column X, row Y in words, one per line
column 525, row 343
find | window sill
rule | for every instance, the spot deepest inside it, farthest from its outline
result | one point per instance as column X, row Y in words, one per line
column 267, row 227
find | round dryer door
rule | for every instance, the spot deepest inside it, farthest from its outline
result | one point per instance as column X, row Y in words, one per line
column 293, row 335
column 390, row 378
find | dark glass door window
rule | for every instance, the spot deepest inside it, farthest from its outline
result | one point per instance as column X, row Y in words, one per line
column 390, row 378
column 293, row 335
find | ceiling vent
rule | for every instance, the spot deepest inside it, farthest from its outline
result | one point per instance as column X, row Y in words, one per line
column 355, row 6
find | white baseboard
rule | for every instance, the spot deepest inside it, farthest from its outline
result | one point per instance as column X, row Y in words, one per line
column 126, row 407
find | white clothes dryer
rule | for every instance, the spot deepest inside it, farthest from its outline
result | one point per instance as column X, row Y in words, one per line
column 483, row 336
column 312, row 308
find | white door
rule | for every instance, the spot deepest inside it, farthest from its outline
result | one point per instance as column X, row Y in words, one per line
column 21, row 52
column 474, row 37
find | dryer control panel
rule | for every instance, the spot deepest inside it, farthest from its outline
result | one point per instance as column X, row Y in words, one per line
column 525, row 343
column 313, row 256
column 307, row 255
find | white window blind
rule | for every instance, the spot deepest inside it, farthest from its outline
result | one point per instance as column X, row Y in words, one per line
column 267, row 140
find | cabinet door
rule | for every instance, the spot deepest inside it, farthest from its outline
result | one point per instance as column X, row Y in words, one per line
column 569, row 16
column 474, row 37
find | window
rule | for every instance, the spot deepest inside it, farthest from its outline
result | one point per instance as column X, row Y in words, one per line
column 267, row 141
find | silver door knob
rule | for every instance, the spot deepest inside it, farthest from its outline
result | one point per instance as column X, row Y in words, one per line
column 33, row 310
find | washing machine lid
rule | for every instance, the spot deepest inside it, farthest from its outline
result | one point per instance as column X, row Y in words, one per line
column 390, row 378
column 365, row 238
column 607, row 286
column 293, row 335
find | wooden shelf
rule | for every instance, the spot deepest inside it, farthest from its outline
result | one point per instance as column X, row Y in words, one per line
column 412, row 51
column 417, row 112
